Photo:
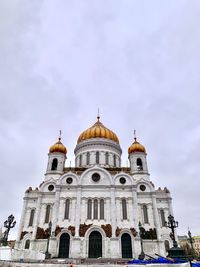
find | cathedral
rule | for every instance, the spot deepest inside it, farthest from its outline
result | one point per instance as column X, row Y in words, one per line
column 95, row 208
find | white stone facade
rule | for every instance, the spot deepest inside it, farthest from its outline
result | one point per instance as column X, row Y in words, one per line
column 96, row 205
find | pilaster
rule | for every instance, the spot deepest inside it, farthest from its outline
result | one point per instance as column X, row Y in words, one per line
column 55, row 210
column 21, row 224
column 156, row 217
column 77, row 214
column 113, row 211
column 37, row 217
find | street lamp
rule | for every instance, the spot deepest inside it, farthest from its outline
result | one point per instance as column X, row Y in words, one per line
column 47, row 254
column 191, row 240
column 142, row 255
column 172, row 224
column 8, row 224
column 175, row 251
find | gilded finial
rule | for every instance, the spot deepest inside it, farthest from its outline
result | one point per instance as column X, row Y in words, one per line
column 98, row 117
column 135, row 138
column 59, row 138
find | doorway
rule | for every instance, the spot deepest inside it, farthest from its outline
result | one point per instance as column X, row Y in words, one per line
column 126, row 246
column 95, row 245
column 64, row 246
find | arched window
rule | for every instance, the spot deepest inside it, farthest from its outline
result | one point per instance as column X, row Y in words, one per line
column 101, row 209
column 89, row 209
column 95, row 209
column 47, row 215
column 97, row 157
column 166, row 245
column 27, row 244
column 145, row 214
column 114, row 159
column 80, row 160
column 139, row 164
column 162, row 216
column 67, row 203
column 88, row 158
column 107, row 158
column 31, row 218
column 124, row 209
column 54, row 164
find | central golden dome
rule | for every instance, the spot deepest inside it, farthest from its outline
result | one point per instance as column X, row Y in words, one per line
column 98, row 130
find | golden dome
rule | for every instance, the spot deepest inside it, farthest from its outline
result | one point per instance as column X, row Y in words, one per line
column 98, row 130
column 136, row 147
column 58, row 147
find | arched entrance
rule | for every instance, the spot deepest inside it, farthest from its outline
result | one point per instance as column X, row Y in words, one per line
column 126, row 246
column 64, row 246
column 95, row 245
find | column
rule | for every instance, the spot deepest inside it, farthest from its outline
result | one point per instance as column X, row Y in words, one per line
column 135, row 209
column 92, row 210
column 21, row 224
column 54, row 217
column 84, row 210
column 73, row 214
column 156, row 217
column 37, row 217
column 170, row 207
column 107, row 210
column 113, row 211
column 129, row 210
column 118, row 208
column 77, row 214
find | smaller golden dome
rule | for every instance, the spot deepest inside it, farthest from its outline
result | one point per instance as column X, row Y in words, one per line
column 58, row 147
column 136, row 147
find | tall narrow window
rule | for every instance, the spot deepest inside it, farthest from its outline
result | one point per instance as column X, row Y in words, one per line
column 107, row 158
column 162, row 216
column 124, row 209
column 67, row 203
column 27, row 244
column 101, row 209
column 114, row 160
column 54, row 164
column 89, row 209
column 31, row 218
column 88, row 158
column 95, row 209
column 47, row 215
column 145, row 213
column 97, row 157
column 139, row 164
column 80, row 160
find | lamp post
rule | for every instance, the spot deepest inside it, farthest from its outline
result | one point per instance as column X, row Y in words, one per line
column 175, row 251
column 191, row 240
column 8, row 224
column 142, row 255
column 47, row 254
column 172, row 224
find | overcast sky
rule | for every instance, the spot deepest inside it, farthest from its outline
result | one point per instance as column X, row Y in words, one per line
column 138, row 61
